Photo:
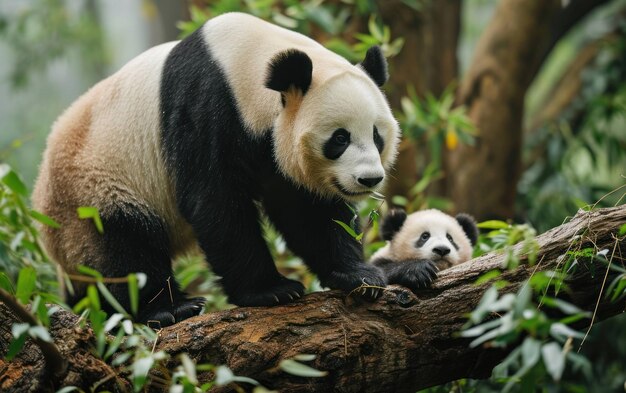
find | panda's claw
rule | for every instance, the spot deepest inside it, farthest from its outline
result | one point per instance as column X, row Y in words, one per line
column 296, row 295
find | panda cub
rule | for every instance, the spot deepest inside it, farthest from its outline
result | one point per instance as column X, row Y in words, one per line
column 421, row 244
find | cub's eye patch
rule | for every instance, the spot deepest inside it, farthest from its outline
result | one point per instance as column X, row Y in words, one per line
column 337, row 144
column 452, row 241
column 423, row 239
column 378, row 140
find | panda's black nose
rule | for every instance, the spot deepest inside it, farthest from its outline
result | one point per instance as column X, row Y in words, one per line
column 369, row 181
column 441, row 251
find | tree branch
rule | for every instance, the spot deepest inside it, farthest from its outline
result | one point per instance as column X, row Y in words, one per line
column 54, row 361
column 403, row 342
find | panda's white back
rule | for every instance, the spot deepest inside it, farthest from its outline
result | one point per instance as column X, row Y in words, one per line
column 106, row 147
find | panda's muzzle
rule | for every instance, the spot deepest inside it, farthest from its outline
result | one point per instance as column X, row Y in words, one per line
column 349, row 193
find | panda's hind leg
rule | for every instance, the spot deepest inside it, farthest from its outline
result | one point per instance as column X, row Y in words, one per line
column 135, row 240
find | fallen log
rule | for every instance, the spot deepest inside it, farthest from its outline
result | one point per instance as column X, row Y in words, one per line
column 401, row 342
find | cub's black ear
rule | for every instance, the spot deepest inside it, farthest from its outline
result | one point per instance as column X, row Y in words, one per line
column 375, row 65
column 469, row 226
column 289, row 68
column 392, row 223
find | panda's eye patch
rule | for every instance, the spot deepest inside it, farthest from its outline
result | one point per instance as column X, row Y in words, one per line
column 452, row 241
column 378, row 140
column 423, row 239
column 337, row 144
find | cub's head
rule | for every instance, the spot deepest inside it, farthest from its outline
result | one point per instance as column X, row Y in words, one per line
column 429, row 234
column 335, row 134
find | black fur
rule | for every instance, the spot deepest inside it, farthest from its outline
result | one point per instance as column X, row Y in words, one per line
column 392, row 223
column 135, row 240
column 337, row 144
column 413, row 274
column 469, row 226
column 290, row 68
column 375, row 65
column 220, row 170
column 378, row 140
column 422, row 240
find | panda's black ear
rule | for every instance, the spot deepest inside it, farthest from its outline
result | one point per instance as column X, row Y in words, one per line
column 375, row 65
column 392, row 223
column 469, row 226
column 291, row 68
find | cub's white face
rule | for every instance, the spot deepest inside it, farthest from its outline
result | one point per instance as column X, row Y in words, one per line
column 431, row 234
column 341, row 139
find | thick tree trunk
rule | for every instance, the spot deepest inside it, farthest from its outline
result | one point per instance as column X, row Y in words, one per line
column 507, row 58
column 403, row 342
column 428, row 61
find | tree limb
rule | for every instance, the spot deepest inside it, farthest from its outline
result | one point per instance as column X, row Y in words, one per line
column 402, row 342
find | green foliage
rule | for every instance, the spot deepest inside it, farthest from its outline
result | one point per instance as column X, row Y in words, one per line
column 42, row 31
column 507, row 319
column 436, row 121
column 19, row 236
column 305, row 17
column 579, row 158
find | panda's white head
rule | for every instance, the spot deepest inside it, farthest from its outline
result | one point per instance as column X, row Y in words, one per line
column 429, row 234
column 335, row 134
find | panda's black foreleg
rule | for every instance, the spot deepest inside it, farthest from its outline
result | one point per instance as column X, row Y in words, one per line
column 308, row 225
column 230, row 236
column 137, row 241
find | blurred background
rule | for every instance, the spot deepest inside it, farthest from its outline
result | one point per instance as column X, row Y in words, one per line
column 510, row 109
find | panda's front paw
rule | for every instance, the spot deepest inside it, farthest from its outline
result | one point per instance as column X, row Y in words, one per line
column 367, row 280
column 161, row 314
column 413, row 274
column 285, row 291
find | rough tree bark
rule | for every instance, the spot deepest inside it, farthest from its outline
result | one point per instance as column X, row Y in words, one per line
column 508, row 56
column 402, row 342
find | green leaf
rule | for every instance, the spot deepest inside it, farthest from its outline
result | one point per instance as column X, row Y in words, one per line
column 89, row 271
column 305, row 357
column 42, row 218
column 133, row 293
column 140, row 369
column 6, row 284
column 110, row 298
column 488, row 276
column 530, row 352
column 620, row 289
column 561, row 331
column 15, row 347
column 26, row 282
column 224, row 376
column 85, row 212
column 94, row 299
column 40, row 332
column 68, row 389
column 553, row 359
column 622, row 230
column 292, row 367
column 493, row 224
column 12, row 180
column 347, row 228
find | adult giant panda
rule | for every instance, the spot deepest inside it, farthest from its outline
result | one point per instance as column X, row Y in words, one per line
column 183, row 144
column 423, row 243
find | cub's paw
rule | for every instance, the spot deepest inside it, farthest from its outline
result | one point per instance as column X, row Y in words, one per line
column 367, row 280
column 284, row 291
column 188, row 308
column 160, row 315
column 413, row 274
